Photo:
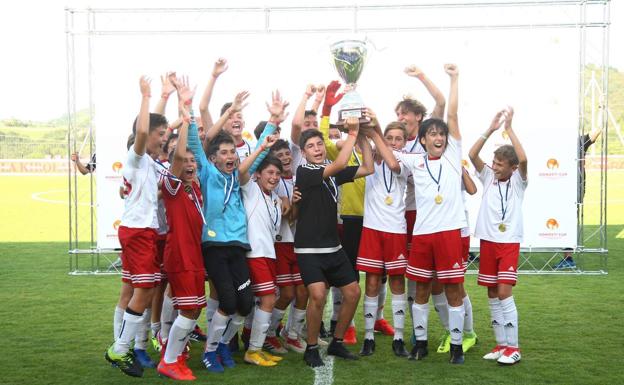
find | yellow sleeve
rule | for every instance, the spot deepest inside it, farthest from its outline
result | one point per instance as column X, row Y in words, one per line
column 330, row 147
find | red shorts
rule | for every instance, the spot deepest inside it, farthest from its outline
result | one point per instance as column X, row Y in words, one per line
column 187, row 289
column 138, row 257
column 438, row 254
column 262, row 272
column 161, row 241
column 465, row 251
column 288, row 273
column 381, row 251
column 498, row 263
column 410, row 219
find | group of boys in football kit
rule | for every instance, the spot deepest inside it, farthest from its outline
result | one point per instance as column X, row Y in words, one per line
column 260, row 224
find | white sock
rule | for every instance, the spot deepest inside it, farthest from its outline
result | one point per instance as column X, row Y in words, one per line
column 370, row 311
column 233, row 326
column 411, row 294
column 178, row 337
column 420, row 319
column 441, row 307
column 140, row 340
column 167, row 317
column 211, row 307
column 381, row 301
column 398, row 315
column 128, row 331
column 155, row 327
column 259, row 329
column 298, row 321
column 215, row 331
column 291, row 313
column 337, row 302
column 117, row 319
column 496, row 314
column 468, row 320
column 250, row 317
column 276, row 318
column 510, row 314
column 456, row 316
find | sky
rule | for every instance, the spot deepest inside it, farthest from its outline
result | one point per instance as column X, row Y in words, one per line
column 33, row 59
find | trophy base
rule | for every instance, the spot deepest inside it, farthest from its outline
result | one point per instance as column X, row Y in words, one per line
column 348, row 113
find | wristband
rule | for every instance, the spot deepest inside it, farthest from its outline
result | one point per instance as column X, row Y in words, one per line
column 185, row 119
column 147, row 95
column 170, row 128
column 188, row 102
column 421, row 76
column 484, row 137
column 164, row 95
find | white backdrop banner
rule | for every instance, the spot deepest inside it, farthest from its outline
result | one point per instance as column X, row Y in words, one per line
column 535, row 71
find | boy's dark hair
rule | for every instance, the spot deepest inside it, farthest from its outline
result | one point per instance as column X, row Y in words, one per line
column 130, row 141
column 396, row 126
column 225, row 107
column 260, row 127
column 166, row 148
column 507, row 152
column 430, row 124
column 155, row 121
column 306, row 135
column 309, row 113
column 279, row 144
column 217, row 141
column 268, row 161
column 411, row 105
column 171, row 154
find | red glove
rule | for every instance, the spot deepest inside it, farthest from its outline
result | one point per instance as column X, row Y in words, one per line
column 331, row 98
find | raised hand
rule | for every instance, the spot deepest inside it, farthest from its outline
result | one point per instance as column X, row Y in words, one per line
column 269, row 141
column 353, row 125
column 508, row 117
column 239, row 101
column 167, row 86
column 310, row 90
column 220, row 66
column 497, row 122
column 74, row 156
column 144, row 84
column 277, row 107
column 331, row 95
column 413, row 71
column 185, row 93
column 296, row 195
column 320, row 93
column 451, row 69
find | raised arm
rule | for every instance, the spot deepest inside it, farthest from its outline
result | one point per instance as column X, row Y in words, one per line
column 243, row 169
column 451, row 115
column 367, row 167
column 237, row 105
column 81, row 167
column 297, row 120
column 220, row 66
column 381, row 147
column 522, row 158
column 331, row 98
column 438, row 110
column 167, row 89
column 473, row 154
column 318, row 98
column 142, row 127
column 469, row 184
column 277, row 111
column 185, row 98
column 353, row 125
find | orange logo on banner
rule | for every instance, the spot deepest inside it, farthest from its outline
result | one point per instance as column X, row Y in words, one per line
column 552, row 224
column 116, row 224
column 552, row 163
column 247, row 136
column 117, row 166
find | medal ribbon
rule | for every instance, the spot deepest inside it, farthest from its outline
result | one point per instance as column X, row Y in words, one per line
column 383, row 171
column 437, row 182
column 196, row 202
column 227, row 191
column 268, row 210
column 504, row 205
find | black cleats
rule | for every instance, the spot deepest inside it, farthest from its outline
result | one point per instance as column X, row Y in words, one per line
column 457, row 354
column 398, row 347
column 337, row 348
column 323, row 332
column 368, row 348
column 419, row 351
column 312, row 357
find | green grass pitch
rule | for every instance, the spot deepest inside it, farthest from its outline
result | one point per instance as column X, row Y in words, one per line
column 56, row 327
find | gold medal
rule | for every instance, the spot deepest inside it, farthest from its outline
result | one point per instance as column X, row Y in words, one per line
column 388, row 200
column 278, row 237
column 212, row 233
column 438, row 199
column 502, row 228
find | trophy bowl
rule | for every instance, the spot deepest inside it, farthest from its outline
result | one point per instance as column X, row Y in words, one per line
column 349, row 57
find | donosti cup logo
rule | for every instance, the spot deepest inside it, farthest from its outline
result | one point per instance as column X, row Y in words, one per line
column 552, row 164
column 116, row 224
column 552, row 224
column 117, row 166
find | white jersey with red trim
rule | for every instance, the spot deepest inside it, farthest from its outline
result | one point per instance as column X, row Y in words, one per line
column 437, row 187
column 412, row 146
column 264, row 216
column 285, row 190
column 384, row 199
column 243, row 149
column 141, row 205
column 501, row 199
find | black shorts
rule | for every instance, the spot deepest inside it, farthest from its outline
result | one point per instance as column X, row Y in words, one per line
column 352, row 232
column 332, row 268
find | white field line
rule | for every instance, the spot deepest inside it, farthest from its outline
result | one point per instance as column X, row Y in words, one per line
column 325, row 374
column 37, row 197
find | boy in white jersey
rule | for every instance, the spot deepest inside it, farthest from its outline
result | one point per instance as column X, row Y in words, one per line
column 383, row 247
column 288, row 275
column 499, row 226
column 137, row 234
column 436, row 242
